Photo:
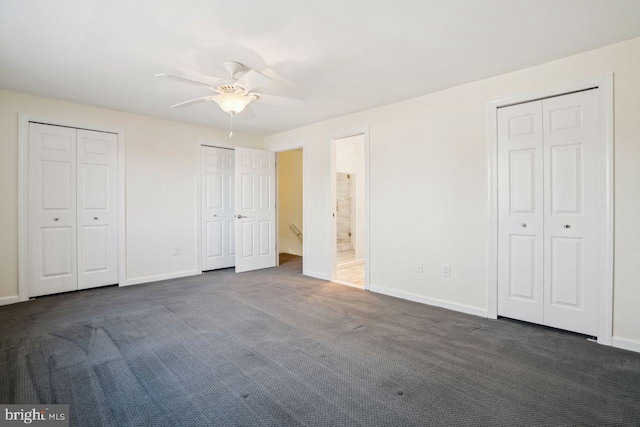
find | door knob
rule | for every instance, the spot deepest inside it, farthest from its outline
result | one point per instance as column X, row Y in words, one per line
column 567, row 226
column 95, row 217
column 523, row 225
column 240, row 216
column 56, row 219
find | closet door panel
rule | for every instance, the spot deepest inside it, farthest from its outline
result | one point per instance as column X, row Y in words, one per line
column 97, row 209
column 520, row 212
column 52, row 214
column 573, row 211
column 217, row 199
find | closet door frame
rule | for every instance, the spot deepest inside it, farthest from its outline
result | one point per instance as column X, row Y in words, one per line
column 23, row 192
column 605, row 86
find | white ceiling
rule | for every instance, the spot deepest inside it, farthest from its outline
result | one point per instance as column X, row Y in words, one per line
column 338, row 56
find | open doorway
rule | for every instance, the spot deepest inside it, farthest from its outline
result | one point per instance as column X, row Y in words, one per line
column 290, row 208
column 349, row 201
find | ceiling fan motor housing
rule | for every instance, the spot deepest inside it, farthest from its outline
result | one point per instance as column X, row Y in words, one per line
column 231, row 88
column 232, row 67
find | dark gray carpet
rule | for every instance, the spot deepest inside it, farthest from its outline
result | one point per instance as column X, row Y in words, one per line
column 275, row 348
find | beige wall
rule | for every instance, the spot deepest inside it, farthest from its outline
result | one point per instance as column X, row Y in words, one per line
column 289, row 201
column 160, row 184
column 429, row 202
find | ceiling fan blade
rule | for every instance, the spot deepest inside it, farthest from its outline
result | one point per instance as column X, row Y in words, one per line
column 280, row 101
column 252, row 79
column 183, row 80
column 193, row 102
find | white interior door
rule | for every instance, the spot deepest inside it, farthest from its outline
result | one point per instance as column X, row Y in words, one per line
column 574, row 203
column 52, row 210
column 97, row 213
column 520, row 212
column 218, row 208
column 255, row 209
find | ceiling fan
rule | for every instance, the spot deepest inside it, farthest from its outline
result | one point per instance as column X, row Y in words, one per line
column 233, row 95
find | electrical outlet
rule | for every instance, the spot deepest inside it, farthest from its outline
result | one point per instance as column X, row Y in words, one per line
column 446, row 270
column 176, row 250
column 420, row 268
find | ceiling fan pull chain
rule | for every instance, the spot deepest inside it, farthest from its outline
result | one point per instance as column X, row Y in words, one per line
column 230, row 124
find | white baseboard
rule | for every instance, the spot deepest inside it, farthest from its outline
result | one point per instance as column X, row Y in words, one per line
column 9, row 300
column 315, row 275
column 159, row 277
column 463, row 308
column 626, row 343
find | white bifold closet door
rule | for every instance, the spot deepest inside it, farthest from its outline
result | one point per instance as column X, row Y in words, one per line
column 72, row 209
column 255, row 211
column 574, row 201
column 551, row 201
column 97, row 212
column 52, row 245
column 218, row 208
column 520, row 213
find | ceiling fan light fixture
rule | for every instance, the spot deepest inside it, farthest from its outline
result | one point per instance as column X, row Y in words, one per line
column 233, row 95
column 232, row 103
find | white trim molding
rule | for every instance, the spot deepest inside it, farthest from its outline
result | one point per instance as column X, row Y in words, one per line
column 9, row 300
column 23, row 195
column 605, row 85
column 462, row 308
column 626, row 344
column 160, row 277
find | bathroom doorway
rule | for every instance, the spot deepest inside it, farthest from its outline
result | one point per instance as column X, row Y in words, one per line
column 350, row 210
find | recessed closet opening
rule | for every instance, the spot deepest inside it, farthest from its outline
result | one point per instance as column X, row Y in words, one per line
column 553, row 210
column 71, row 190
